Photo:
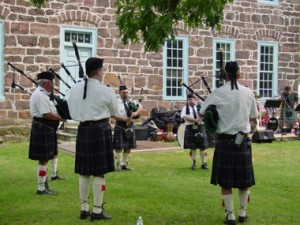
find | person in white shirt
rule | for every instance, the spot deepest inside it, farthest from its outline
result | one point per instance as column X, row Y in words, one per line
column 92, row 104
column 43, row 138
column 124, row 135
column 232, row 161
column 195, row 136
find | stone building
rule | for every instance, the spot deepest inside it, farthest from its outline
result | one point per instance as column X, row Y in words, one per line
column 262, row 35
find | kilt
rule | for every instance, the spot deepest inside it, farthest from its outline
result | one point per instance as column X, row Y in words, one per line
column 232, row 167
column 189, row 137
column 120, row 141
column 43, row 139
column 94, row 153
column 289, row 117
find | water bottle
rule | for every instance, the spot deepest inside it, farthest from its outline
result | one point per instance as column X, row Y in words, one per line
column 139, row 221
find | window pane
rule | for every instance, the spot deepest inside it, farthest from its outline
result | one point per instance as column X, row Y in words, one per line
column 266, row 71
column 174, row 70
column 226, row 57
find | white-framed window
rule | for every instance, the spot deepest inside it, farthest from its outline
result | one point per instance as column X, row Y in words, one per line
column 267, row 78
column 227, row 47
column 175, row 68
column 1, row 59
column 269, row 2
column 86, row 41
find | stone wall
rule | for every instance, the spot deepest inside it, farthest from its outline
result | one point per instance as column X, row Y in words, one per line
column 32, row 44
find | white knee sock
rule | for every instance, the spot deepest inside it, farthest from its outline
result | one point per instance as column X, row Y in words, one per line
column 54, row 167
column 125, row 157
column 203, row 157
column 228, row 201
column 118, row 156
column 193, row 155
column 42, row 176
column 98, row 192
column 243, row 198
column 84, row 187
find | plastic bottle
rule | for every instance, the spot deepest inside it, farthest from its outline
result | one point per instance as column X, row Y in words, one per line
column 139, row 221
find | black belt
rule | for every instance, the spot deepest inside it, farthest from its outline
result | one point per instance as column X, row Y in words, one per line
column 225, row 136
column 92, row 122
column 51, row 123
column 124, row 124
column 40, row 119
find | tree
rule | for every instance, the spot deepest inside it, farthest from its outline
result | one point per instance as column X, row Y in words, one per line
column 154, row 21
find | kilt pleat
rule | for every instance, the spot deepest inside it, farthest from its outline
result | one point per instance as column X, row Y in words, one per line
column 189, row 137
column 292, row 117
column 94, row 152
column 43, row 142
column 120, row 141
column 232, row 167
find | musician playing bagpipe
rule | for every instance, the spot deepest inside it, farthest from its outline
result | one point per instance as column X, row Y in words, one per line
column 43, row 138
column 124, row 135
column 195, row 134
column 235, row 105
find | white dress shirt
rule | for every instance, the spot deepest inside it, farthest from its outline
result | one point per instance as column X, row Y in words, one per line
column 235, row 107
column 40, row 103
column 100, row 102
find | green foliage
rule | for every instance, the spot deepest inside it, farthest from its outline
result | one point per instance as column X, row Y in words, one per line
column 161, row 188
column 154, row 21
column 38, row 3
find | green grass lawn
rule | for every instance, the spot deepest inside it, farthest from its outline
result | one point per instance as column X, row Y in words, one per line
column 161, row 188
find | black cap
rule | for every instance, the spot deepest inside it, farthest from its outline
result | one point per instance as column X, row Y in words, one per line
column 46, row 75
column 93, row 64
column 122, row 88
column 190, row 96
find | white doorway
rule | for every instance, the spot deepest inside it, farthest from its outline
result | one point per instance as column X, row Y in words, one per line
column 86, row 41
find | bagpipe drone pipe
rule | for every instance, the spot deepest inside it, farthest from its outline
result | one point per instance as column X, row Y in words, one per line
column 60, row 104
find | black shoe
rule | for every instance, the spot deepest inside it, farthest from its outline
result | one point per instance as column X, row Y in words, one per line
column 47, row 184
column 125, row 167
column 242, row 219
column 194, row 167
column 204, row 166
column 45, row 192
column 228, row 221
column 101, row 216
column 57, row 178
column 84, row 214
column 119, row 167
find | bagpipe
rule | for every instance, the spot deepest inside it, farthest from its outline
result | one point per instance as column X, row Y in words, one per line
column 211, row 115
column 60, row 104
column 132, row 106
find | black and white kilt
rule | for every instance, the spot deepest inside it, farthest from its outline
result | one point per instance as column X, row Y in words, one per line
column 120, row 141
column 43, row 140
column 94, row 153
column 189, row 137
column 232, row 167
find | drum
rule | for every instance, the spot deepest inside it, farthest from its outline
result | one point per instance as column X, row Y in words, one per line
column 180, row 135
column 272, row 124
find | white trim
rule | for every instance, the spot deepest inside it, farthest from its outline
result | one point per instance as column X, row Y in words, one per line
column 184, row 67
column 92, row 30
column 232, row 43
column 269, row 2
column 2, row 36
column 275, row 67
